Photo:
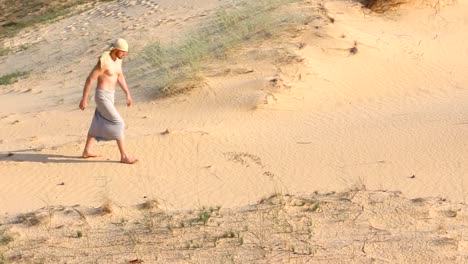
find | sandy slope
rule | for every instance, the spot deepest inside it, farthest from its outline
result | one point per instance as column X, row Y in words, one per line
column 392, row 116
column 366, row 100
column 357, row 226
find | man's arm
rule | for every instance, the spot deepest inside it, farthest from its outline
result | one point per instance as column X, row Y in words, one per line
column 123, row 85
column 89, row 82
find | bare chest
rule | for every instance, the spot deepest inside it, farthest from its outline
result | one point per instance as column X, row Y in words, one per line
column 112, row 69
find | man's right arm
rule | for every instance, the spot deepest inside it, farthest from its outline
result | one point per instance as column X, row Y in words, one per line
column 89, row 82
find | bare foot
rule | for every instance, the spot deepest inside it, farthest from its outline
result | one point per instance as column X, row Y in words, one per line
column 89, row 155
column 128, row 160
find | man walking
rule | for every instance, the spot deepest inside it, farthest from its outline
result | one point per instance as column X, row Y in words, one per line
column 107, row 123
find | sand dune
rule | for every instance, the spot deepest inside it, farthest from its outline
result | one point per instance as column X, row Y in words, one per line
column 350, row 98
column 376, row 117
column 356, row 226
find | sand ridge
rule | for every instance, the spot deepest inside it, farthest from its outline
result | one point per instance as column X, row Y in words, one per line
column 356, row 226
column 343, row 112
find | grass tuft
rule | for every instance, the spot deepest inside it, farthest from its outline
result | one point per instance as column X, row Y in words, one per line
column 176, row 67
column 5, row 239
column 32, row 219
column 381, row 6
column 4, row 51
column 13, row 77
column 204, row 216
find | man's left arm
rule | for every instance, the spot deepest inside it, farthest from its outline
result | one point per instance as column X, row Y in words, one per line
column 123, row 85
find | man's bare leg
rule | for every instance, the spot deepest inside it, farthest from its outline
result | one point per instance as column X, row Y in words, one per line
column 124, row 158
column 86, row 152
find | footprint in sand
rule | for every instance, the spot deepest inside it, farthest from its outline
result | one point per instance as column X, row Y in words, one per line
column 33, row 91
column 192, row 17
column 244, row 158
column 270, row 99
column 272, row 90
column 269, row 174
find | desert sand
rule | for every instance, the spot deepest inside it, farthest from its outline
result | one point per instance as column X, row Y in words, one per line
column 342, row 141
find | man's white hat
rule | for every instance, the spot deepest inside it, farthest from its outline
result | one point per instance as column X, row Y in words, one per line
column 121, row 44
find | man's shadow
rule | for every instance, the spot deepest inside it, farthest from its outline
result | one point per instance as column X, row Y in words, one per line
column 30, row 156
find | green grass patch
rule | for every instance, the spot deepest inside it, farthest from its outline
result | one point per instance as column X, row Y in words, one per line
column 4, row 51
column 5, row 239
column 13, row 77
column 204, row 216
column 177, row 65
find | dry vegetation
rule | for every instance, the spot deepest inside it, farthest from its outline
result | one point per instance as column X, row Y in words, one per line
column 382, row 6
column 173, row 68
column 357, row 226
column 12, row 77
